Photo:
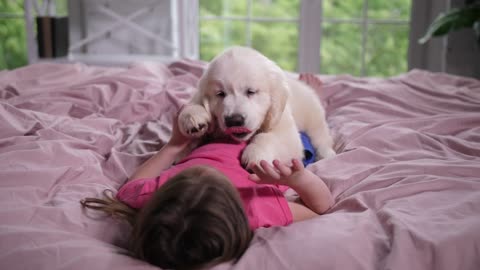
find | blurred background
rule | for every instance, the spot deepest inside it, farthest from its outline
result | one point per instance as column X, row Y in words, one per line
column 358, row 37
column 355, row 38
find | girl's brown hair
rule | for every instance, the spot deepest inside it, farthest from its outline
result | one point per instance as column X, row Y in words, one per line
column 195, row 219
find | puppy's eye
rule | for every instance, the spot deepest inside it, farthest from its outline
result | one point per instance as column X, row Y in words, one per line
column 250, row 92
column 220, row 94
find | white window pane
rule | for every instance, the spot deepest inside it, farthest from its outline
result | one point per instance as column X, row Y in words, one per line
column 215, row 35
column 275, row 8
column 386, row 50
column 392, row 9
column 61, row 7
column 371, row 41
column 342, row 9
column 13, row 47
column 341, row 49
column 278, row 41
column 223, row 8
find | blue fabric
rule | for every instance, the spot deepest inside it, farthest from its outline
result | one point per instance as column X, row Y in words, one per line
column 308, row 150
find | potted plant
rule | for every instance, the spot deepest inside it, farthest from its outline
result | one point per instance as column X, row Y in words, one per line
column 467, row 16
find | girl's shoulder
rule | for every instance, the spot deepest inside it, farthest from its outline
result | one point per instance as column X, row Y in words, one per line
column 223, row 145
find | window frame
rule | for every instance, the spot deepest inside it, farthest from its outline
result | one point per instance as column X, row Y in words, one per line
column 184, row 29
column 309, row 24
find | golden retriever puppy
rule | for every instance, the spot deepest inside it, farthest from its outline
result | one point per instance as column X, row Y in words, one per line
column 247, row 96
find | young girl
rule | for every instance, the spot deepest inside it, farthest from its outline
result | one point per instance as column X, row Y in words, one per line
column 202, row 210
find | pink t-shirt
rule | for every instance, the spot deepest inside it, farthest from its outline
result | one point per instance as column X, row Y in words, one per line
column 265, row 205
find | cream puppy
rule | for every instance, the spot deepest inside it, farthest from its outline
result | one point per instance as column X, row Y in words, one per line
column 247, row 96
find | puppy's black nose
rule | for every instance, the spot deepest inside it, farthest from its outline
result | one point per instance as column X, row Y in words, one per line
column 234, row 120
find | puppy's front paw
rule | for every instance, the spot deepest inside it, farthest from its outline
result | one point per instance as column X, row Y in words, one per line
column 254, row 153
column 326, row 152
column 193, row 121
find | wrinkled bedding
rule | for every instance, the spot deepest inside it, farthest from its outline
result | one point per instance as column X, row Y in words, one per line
column 406, row 180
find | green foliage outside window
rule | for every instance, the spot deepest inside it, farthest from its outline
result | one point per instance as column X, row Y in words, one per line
column 386, row 45
column 13, row 40
column 13, row 47
column 341, row 46
column 277, row 40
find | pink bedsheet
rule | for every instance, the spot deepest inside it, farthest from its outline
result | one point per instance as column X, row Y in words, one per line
column 407, row 182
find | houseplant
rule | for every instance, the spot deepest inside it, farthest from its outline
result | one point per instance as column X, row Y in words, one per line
column 455, row 19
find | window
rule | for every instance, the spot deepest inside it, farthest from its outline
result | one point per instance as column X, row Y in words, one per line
column 13, row 32
column 365, row 38
column 359, row 37
column 12, row 35
column 117, row 32
column 267, row 25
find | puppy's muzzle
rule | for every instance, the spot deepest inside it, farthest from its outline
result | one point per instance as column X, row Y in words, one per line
column 234, row 120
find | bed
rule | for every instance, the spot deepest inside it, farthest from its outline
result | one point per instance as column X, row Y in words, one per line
column 406, row 180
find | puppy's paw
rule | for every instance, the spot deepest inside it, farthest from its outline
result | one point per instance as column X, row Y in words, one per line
column 254, row 153
column 326, row 152
column 193, row 121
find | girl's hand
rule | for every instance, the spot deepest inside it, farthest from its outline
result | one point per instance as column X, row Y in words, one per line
column 177, row 139
column 165, row 157
column 312, row 190
column 278, row 174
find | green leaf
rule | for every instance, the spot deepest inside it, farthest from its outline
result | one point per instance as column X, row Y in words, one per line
column 476, row 28
column 453, row 20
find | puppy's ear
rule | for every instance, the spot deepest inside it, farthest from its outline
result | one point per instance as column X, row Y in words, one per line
column 200, row 97
column 279, row 92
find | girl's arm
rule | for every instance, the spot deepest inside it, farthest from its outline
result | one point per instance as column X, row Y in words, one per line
column 311, row 189
column 155, row 165
column 165, row 157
